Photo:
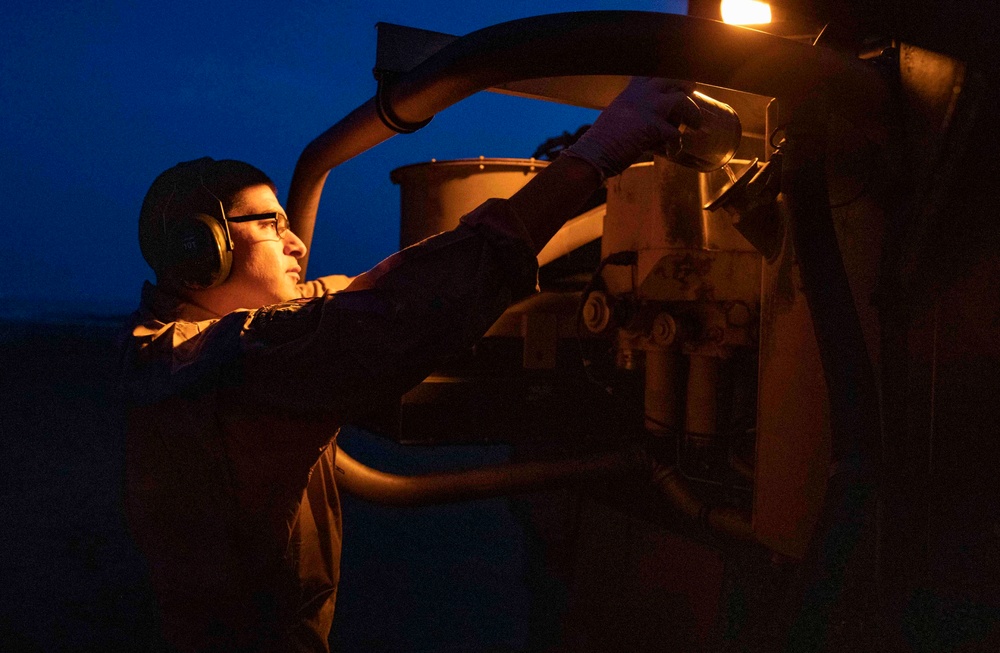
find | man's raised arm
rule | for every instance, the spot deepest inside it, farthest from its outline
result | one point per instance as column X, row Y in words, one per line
column 645, row 116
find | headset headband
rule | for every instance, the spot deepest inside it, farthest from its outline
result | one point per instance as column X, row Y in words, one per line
column 223, row 219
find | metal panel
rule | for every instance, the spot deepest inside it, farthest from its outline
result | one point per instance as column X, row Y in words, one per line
column 793, row 430
column 684, row 253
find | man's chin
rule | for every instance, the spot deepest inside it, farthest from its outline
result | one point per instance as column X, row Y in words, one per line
column 288, row 294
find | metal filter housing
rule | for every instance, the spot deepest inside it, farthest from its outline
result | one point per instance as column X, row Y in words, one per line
column 436, row 194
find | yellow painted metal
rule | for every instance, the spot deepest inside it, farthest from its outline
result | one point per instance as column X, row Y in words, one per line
column 434, row 195
column 793, row 425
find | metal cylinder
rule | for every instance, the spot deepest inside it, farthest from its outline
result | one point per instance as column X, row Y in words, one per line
column 713, row 143
column 702, row 403
column 662, row 402
column 434, row 195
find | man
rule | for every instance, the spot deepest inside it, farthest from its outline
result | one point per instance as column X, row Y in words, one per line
column 238, row 375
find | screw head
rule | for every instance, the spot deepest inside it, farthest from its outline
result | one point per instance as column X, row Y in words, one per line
column 596, row 312
column 664, row 330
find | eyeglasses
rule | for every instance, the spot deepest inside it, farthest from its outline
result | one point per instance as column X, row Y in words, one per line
column 279, row 220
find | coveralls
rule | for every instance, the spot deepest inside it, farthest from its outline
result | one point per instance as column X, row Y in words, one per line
column 230, row 457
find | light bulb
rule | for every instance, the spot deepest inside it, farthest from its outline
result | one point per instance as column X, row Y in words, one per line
column 745, row 12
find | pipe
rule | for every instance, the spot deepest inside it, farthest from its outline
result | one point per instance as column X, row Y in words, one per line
column 447, row 487
column 848, row 512
column 585, row 43
column 726, row 520
column 663, row 417
column 662, row 388
column 701, row 415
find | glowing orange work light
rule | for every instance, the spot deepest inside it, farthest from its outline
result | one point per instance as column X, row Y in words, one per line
column 745, row 12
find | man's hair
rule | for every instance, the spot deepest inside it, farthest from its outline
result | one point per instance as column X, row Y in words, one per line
column 178, row 192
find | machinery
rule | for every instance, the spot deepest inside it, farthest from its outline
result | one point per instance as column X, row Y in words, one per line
column 747, row 373
column 762, row 368
column 750, row 409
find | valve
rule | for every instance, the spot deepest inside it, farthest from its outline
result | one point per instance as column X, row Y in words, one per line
column 663, row 331
column 596, row 313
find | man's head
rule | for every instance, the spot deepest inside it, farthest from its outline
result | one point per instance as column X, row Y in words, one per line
column 199, row 214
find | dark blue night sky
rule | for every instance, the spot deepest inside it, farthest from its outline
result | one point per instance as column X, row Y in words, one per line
column 99, row 97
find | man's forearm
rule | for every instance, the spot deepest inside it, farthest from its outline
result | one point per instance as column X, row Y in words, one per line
column 555, row 195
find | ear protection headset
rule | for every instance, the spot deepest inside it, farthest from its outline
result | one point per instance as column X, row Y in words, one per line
column 198, row 248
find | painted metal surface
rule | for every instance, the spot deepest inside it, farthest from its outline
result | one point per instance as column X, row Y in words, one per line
column 434, row 195
column 793, row 432
column 684, row 253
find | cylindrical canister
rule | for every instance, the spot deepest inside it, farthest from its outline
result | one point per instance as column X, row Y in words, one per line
column 436, row 194
column 714, row 142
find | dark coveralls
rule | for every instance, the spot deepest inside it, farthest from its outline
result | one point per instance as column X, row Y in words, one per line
column 230, row 491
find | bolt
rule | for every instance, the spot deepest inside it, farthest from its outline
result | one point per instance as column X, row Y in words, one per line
column 596, row 312
column 664, row 330
column 738, row 314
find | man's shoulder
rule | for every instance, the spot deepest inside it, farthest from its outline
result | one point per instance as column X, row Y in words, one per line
column 166, row 351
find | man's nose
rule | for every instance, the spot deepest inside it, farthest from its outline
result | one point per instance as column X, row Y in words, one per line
column 294, row 245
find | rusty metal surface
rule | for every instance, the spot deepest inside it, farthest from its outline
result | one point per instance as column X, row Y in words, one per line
column 684, row 253
column 698, row 275
column 658, row 205
column 653, row 205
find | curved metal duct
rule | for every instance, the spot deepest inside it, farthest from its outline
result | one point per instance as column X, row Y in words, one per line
column 446, row 487
column 587, row 43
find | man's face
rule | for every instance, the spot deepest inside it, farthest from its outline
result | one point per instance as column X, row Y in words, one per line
column 265, row 267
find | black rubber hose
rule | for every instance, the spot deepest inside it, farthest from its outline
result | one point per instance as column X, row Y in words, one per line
column 838, row 548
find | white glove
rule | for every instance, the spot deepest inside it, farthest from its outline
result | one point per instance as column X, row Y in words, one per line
column 645, row 116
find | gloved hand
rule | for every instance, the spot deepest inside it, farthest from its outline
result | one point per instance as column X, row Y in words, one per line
column 645, row 116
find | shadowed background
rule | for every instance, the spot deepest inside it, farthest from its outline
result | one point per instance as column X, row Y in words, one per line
column 98, row 97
